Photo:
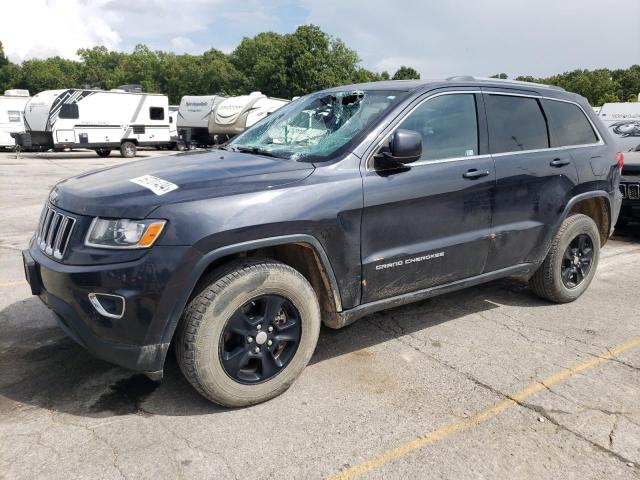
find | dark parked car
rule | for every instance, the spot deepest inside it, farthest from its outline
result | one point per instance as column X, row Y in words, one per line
column 630, row 187
column 342, row 203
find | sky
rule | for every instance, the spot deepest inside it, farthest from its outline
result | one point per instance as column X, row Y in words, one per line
column 437, row 37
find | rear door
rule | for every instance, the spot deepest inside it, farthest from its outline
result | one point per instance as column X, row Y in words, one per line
column 534, row 182
column 429, row 224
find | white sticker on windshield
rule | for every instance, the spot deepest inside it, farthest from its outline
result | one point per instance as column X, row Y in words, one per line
column 155, row 184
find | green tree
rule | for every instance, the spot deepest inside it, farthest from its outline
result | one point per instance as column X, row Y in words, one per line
column 501, row 76
column 51, row 73
column 406, row 73
column 314, row 60
column 9, row 72
column 4, row 61
column 101, row 68
column 262, row 62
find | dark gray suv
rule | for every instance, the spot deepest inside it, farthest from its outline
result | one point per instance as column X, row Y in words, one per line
column 342, row 203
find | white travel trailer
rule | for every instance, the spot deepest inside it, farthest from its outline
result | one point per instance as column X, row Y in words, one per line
column 623, row 122
column 194, row 115
column 12, row 115
column 97, row 119
column 235, row 114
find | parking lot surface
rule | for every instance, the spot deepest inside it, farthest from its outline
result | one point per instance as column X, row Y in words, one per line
column 489, row 382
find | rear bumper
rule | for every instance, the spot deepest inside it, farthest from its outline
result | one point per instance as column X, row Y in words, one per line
column 137, row 340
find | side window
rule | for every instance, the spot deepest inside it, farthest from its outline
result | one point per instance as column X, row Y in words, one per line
column 448, row 125
column 156, row 113
column 14, row 115
column 515, row 123
column 568, row 124
column 69, row 110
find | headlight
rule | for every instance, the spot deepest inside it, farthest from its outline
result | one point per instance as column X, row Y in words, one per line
column 123, row 233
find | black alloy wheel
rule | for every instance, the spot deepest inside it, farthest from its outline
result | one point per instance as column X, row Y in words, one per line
column 260, row 339
column 577, row 261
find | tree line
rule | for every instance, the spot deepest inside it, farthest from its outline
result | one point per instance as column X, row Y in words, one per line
column 279, row 65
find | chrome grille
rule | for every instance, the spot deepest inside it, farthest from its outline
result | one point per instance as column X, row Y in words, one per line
column 54, row 231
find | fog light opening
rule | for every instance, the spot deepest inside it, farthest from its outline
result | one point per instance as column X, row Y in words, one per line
column 108, row 305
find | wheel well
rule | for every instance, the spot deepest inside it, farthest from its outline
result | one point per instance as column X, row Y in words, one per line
column 301, row 257
column 598, row 209
column 132, row 140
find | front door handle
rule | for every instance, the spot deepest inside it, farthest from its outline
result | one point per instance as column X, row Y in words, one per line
column 475, row 173
column 559, row 162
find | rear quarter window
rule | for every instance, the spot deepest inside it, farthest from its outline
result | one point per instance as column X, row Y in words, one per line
column 515, row 124
column 568, row 124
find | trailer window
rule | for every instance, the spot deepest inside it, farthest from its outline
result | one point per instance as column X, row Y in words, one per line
column 69, row 110
column 14, row 115
column 156, row 113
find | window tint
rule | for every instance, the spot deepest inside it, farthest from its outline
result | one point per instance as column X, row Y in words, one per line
column 568, row 124
column 515, row 123
column 156, row 113
column 14, row 115
column 69, row 110
column 448, row 125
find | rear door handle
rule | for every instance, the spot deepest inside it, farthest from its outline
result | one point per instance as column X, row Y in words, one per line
column 559, row 162
column 475, row 173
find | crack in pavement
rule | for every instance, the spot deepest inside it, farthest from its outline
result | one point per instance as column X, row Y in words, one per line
column 400, row 332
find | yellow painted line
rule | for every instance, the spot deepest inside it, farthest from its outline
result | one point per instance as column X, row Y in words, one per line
column 13, row 283
column 482, row 415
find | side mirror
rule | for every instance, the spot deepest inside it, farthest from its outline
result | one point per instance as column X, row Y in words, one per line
column 405, row 147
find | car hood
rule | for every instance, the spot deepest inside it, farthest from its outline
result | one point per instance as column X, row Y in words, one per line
column 110, row 192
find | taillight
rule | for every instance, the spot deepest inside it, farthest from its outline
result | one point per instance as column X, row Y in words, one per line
column 620, row 159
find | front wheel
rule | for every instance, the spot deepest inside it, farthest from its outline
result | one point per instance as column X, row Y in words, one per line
column 128, row 149
column 571, row 262
column 248, row 333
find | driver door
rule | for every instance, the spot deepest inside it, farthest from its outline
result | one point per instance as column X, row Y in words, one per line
column 429, row 223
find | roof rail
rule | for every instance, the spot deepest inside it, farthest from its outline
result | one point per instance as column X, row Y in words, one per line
column 470, row 78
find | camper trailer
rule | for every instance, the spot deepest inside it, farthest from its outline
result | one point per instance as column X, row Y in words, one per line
column 194, row 116
column 623, row 122
column 235, row 114
column 12, row 115
column 99, row 120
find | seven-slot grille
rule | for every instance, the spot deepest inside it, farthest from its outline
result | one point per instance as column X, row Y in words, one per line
column 54, row 232
column 630, row 191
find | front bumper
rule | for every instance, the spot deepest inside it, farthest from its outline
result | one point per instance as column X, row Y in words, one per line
column 149, row 285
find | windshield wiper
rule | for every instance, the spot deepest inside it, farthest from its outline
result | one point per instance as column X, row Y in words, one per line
column 256, row 150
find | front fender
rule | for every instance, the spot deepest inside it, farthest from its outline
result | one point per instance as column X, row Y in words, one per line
column 207, row 259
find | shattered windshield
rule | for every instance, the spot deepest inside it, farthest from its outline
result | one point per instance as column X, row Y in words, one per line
column 315, row 127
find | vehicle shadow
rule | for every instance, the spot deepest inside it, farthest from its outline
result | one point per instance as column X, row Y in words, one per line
column 43, row 368
column 630, row 233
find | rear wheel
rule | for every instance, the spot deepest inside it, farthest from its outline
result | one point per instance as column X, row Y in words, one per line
column 249, row 332
column 128, row 149
column 571, row 262
column 103, row 152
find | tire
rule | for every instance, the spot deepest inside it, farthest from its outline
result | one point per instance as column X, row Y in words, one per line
column 207, row 322
column 180, row 147
column 103, row 152
column 548, row 281
column 128, row 149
